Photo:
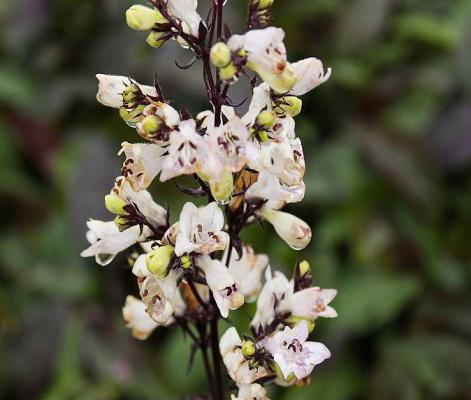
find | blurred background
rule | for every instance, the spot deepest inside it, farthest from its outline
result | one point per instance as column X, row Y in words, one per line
column 388, row 143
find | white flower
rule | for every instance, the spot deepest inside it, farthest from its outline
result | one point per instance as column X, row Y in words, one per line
column 231, row 144
column 266, row 55
column 136, row 318
column 163, row 119
column 143, row 163
column 293, row 230
column 261, row 100
column 107, row 241
column 185, row 11
column 294, row 354
column 276, row 289
column 248, row 271
column 251, row 392
column 310, row 74
column 279, row 298
column 111, row 87
column 312, row 303
column 270, row 188
column 186, row 153
column 200, row 230
column 161, row 296
column 235, row 362
column 226, row 290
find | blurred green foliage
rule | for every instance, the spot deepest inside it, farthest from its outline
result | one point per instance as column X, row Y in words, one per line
column 388, row 140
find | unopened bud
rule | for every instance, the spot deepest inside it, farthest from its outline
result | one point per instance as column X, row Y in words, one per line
column 248, row 348
column 130, row 93
column 221, row 55
column 121, row 223
column 155, row 40
column 142, row 18
column 304, row 268
column 157, row 261
column 266, row 119
column 263, row 136
column 292, row 106
column 115, row 204
column 185, row 262
column 228, row 72
column 131, row 117
column 262, row 4
column 222, row 189
column 151, row 124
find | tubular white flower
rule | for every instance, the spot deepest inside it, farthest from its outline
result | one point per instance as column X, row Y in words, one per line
column 111, row 87
column 200, row 230
column 310, row 73
column 226, row 290
column 143, row 163
column 266, row 55
column 106, row 241
column 251, row 392
column 293, row 230
column 294, row 354
column 237, row 366
column 137, row 319
column 312, row 303
column 248, row 271
column 185, row 11
column 186, row 153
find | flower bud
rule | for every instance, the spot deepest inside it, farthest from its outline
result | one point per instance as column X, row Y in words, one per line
column 155, row 40
column 293, row 320
column 266, row 119
column 131, row 117
column 185, row 262
column 228, row 72
column 121, row 223
column 304, row 268
column 293, row 230
column 115, row 204
column 222, row 189
column 292, row 105
column 221, row 55
column 157, row 261
column 142, row 18
column 151, row 124
column 130, row 93
column 248, row 348
column 263, row 136
column 262, row 4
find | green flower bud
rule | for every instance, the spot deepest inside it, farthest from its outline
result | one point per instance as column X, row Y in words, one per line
column 130, row 93
column 266, row 119
column 151, row 124
column 263, row 136
column 142, row 18
column 262, row 4
column 248, row 348
column 121, row 223
column 222, row 190
column 131, row 117
column 155, row 40
column 292, row 106
column 304, row 268
column 115, row 204
column 293, row 321
column 221, row 55
column 185, row 262
column 157, row 260
column 228, row 72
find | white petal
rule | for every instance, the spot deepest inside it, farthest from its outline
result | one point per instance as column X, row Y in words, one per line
column 310, row 74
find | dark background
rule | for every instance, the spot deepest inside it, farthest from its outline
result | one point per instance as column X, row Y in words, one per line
column 388, row 143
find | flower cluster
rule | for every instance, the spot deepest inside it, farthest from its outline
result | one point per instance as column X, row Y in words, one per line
column 194, row 271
